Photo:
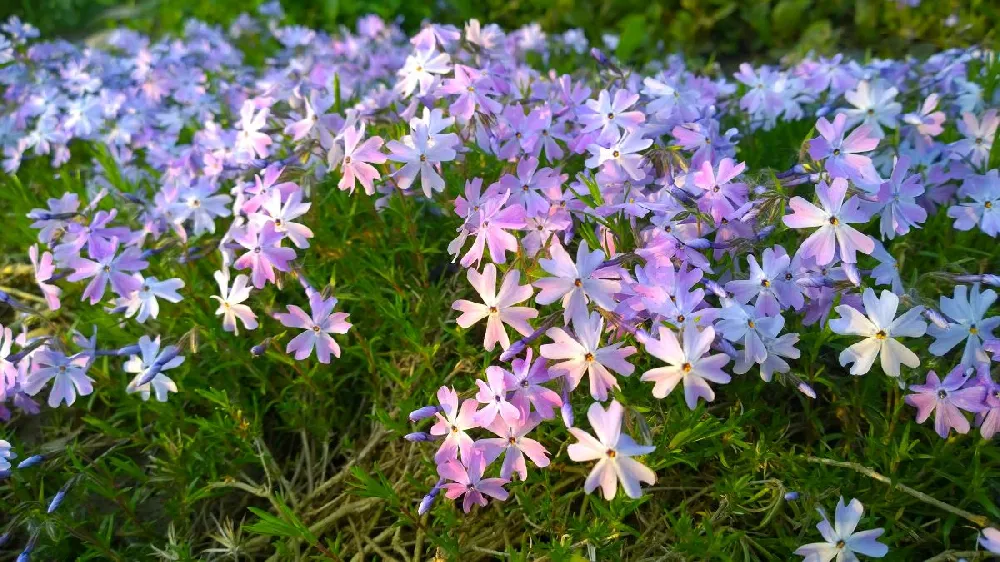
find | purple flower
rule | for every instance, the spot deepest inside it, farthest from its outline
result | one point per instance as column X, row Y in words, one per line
column 497, row 307
column 946, row 399
column 613, row 452
column 453, row 422
column 984, row 209
column 473, row 89
column 468, row 480
column 843, row 158
column 584, row 355
column 839, row 539
column 897, row 201
column 525, row 384
column 419, row 153
column 69, row 376
column 107, row 265
column 358, row 160
column 773, row 284
column 833, row 221
column 264, row 252
column 282, row 217
column 317, row 328
column 686, row 362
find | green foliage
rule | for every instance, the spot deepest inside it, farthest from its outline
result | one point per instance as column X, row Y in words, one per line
column 297, row 460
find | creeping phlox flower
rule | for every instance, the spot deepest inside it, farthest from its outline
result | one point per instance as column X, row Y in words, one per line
column 840, row 541
column 620, row 208
column 6, row 454
column 613, row 452
column 317, row 328
column 496, row 307
column 148, row 367
column 880, row 330
column 946, row 399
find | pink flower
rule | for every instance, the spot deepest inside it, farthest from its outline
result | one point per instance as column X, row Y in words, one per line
column 491, row 225
column 946, row 399
column 468, row 480
column 493, row 396
column 358, row 160
column 584, row 355
column 721, row 197
column 687, row 362
column 318, row 328
column 497, row 307
column 576, row 283
column 453, row 422
column 833, row 220
column 264, row 254
column 613, row 452
column 43, row 273
column 512, row 443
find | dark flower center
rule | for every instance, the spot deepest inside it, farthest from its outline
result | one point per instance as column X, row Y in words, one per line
column 942, row 394
column 616, row 154
column 588, row 357
column 611, row 453
column 686, row 367
column 834, row 221
column 881, row 335
column 765, row 283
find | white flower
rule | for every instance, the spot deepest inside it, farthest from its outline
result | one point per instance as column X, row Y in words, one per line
column 613, row 451
column 230, row 300
column 420, row 69
column 875, row 106
column 143, row 301
column 840, row 540
column 5, row 455
column 880, row 331
column 150, row 352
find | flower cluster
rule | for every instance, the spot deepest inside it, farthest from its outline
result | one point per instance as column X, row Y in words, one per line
column 624, row 229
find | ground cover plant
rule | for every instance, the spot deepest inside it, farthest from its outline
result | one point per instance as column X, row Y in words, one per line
column 273, row 293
